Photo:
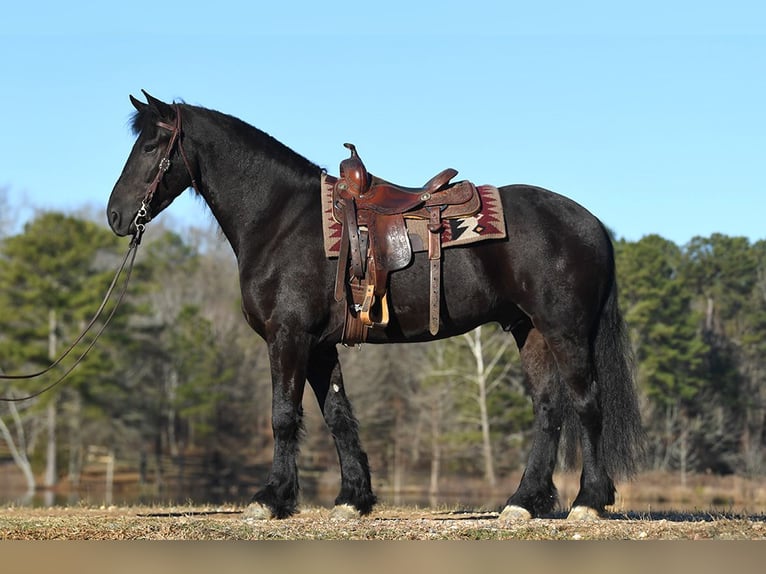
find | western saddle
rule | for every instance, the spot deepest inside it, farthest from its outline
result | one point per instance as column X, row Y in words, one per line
column 374, row 239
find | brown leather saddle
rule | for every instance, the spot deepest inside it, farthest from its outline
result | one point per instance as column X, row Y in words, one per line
column 374, row 239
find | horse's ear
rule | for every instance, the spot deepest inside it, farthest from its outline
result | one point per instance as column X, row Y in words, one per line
column 162, row 109
column 138, row 104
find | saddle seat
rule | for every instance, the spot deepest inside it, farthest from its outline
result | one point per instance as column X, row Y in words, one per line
column 374, row 239
column 381, row 196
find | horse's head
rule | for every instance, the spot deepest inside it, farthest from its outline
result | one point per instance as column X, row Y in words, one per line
column 157, row 170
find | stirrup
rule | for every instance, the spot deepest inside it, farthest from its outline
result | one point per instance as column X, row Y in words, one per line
column 369, row 301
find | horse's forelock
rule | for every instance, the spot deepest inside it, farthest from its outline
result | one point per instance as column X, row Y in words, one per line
column 141, row 119
column 135, row 123
column 138, row 121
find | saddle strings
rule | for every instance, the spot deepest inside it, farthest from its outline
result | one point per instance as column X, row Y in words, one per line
column 128, row 260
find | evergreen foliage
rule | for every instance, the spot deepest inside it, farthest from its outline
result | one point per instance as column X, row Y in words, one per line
column 179, row 375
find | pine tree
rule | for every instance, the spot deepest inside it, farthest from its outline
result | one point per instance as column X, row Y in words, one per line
column 53, row 276
column 669, row 346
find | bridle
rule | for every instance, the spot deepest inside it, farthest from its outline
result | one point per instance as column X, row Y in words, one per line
column 143, row 216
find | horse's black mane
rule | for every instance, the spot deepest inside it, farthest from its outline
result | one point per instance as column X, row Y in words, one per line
column 141, row 120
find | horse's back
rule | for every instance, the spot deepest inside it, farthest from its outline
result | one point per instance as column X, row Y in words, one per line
column 556, row 254
column 558, row 251
column 537, row 214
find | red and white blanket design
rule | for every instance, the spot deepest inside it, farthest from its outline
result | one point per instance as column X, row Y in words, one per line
column 489, row 223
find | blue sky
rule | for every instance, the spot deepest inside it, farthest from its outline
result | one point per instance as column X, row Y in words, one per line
column 651, row 115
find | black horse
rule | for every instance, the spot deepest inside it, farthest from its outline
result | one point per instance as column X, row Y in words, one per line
column 551, row 283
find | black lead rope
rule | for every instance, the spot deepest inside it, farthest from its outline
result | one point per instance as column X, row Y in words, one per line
column 129, row 260
column 139, row 223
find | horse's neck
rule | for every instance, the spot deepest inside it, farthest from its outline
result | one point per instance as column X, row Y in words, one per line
column 252, row 183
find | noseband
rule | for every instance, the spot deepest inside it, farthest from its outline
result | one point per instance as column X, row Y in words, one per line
column 176, row 135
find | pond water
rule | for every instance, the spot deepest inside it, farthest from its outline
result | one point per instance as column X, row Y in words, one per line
column 653, row 494
column 465, row 500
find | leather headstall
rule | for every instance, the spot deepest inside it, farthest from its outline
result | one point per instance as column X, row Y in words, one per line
column 176, row 135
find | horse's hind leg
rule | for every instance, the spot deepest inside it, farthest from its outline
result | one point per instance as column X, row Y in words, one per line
column 324, row 376
column 575, row 362
column 536, row 493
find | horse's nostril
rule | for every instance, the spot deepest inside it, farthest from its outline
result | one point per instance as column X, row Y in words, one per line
column 114, row 219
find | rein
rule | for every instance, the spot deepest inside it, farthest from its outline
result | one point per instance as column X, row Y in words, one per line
column 128, row 260
column 143, row 217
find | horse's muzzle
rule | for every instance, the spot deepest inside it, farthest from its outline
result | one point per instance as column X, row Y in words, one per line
column 120, row 225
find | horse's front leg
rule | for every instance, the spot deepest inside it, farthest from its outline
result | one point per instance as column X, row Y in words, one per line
column 279, row 497
column 324, row 375
column 536, row 494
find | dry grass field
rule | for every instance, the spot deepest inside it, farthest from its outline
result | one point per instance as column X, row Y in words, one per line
column 153, row 539
column 386, row 523
column 655, row 507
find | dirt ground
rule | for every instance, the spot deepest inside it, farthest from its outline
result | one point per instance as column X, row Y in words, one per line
column 656, row 507
column 385, row 523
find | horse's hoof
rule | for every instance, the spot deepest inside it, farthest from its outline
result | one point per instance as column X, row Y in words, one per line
column 513, row 513
column 583, row 513
column 344, row 512
column 257, row 511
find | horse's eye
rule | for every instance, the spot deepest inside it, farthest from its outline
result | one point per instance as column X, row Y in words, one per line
column 150, row 147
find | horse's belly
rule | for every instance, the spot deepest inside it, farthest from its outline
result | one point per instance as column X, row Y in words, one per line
column 469, row 297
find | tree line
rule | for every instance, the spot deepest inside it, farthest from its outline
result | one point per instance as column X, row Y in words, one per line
column 179, row 376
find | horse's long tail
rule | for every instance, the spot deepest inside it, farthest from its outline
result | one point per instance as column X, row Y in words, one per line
column 621, row 449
